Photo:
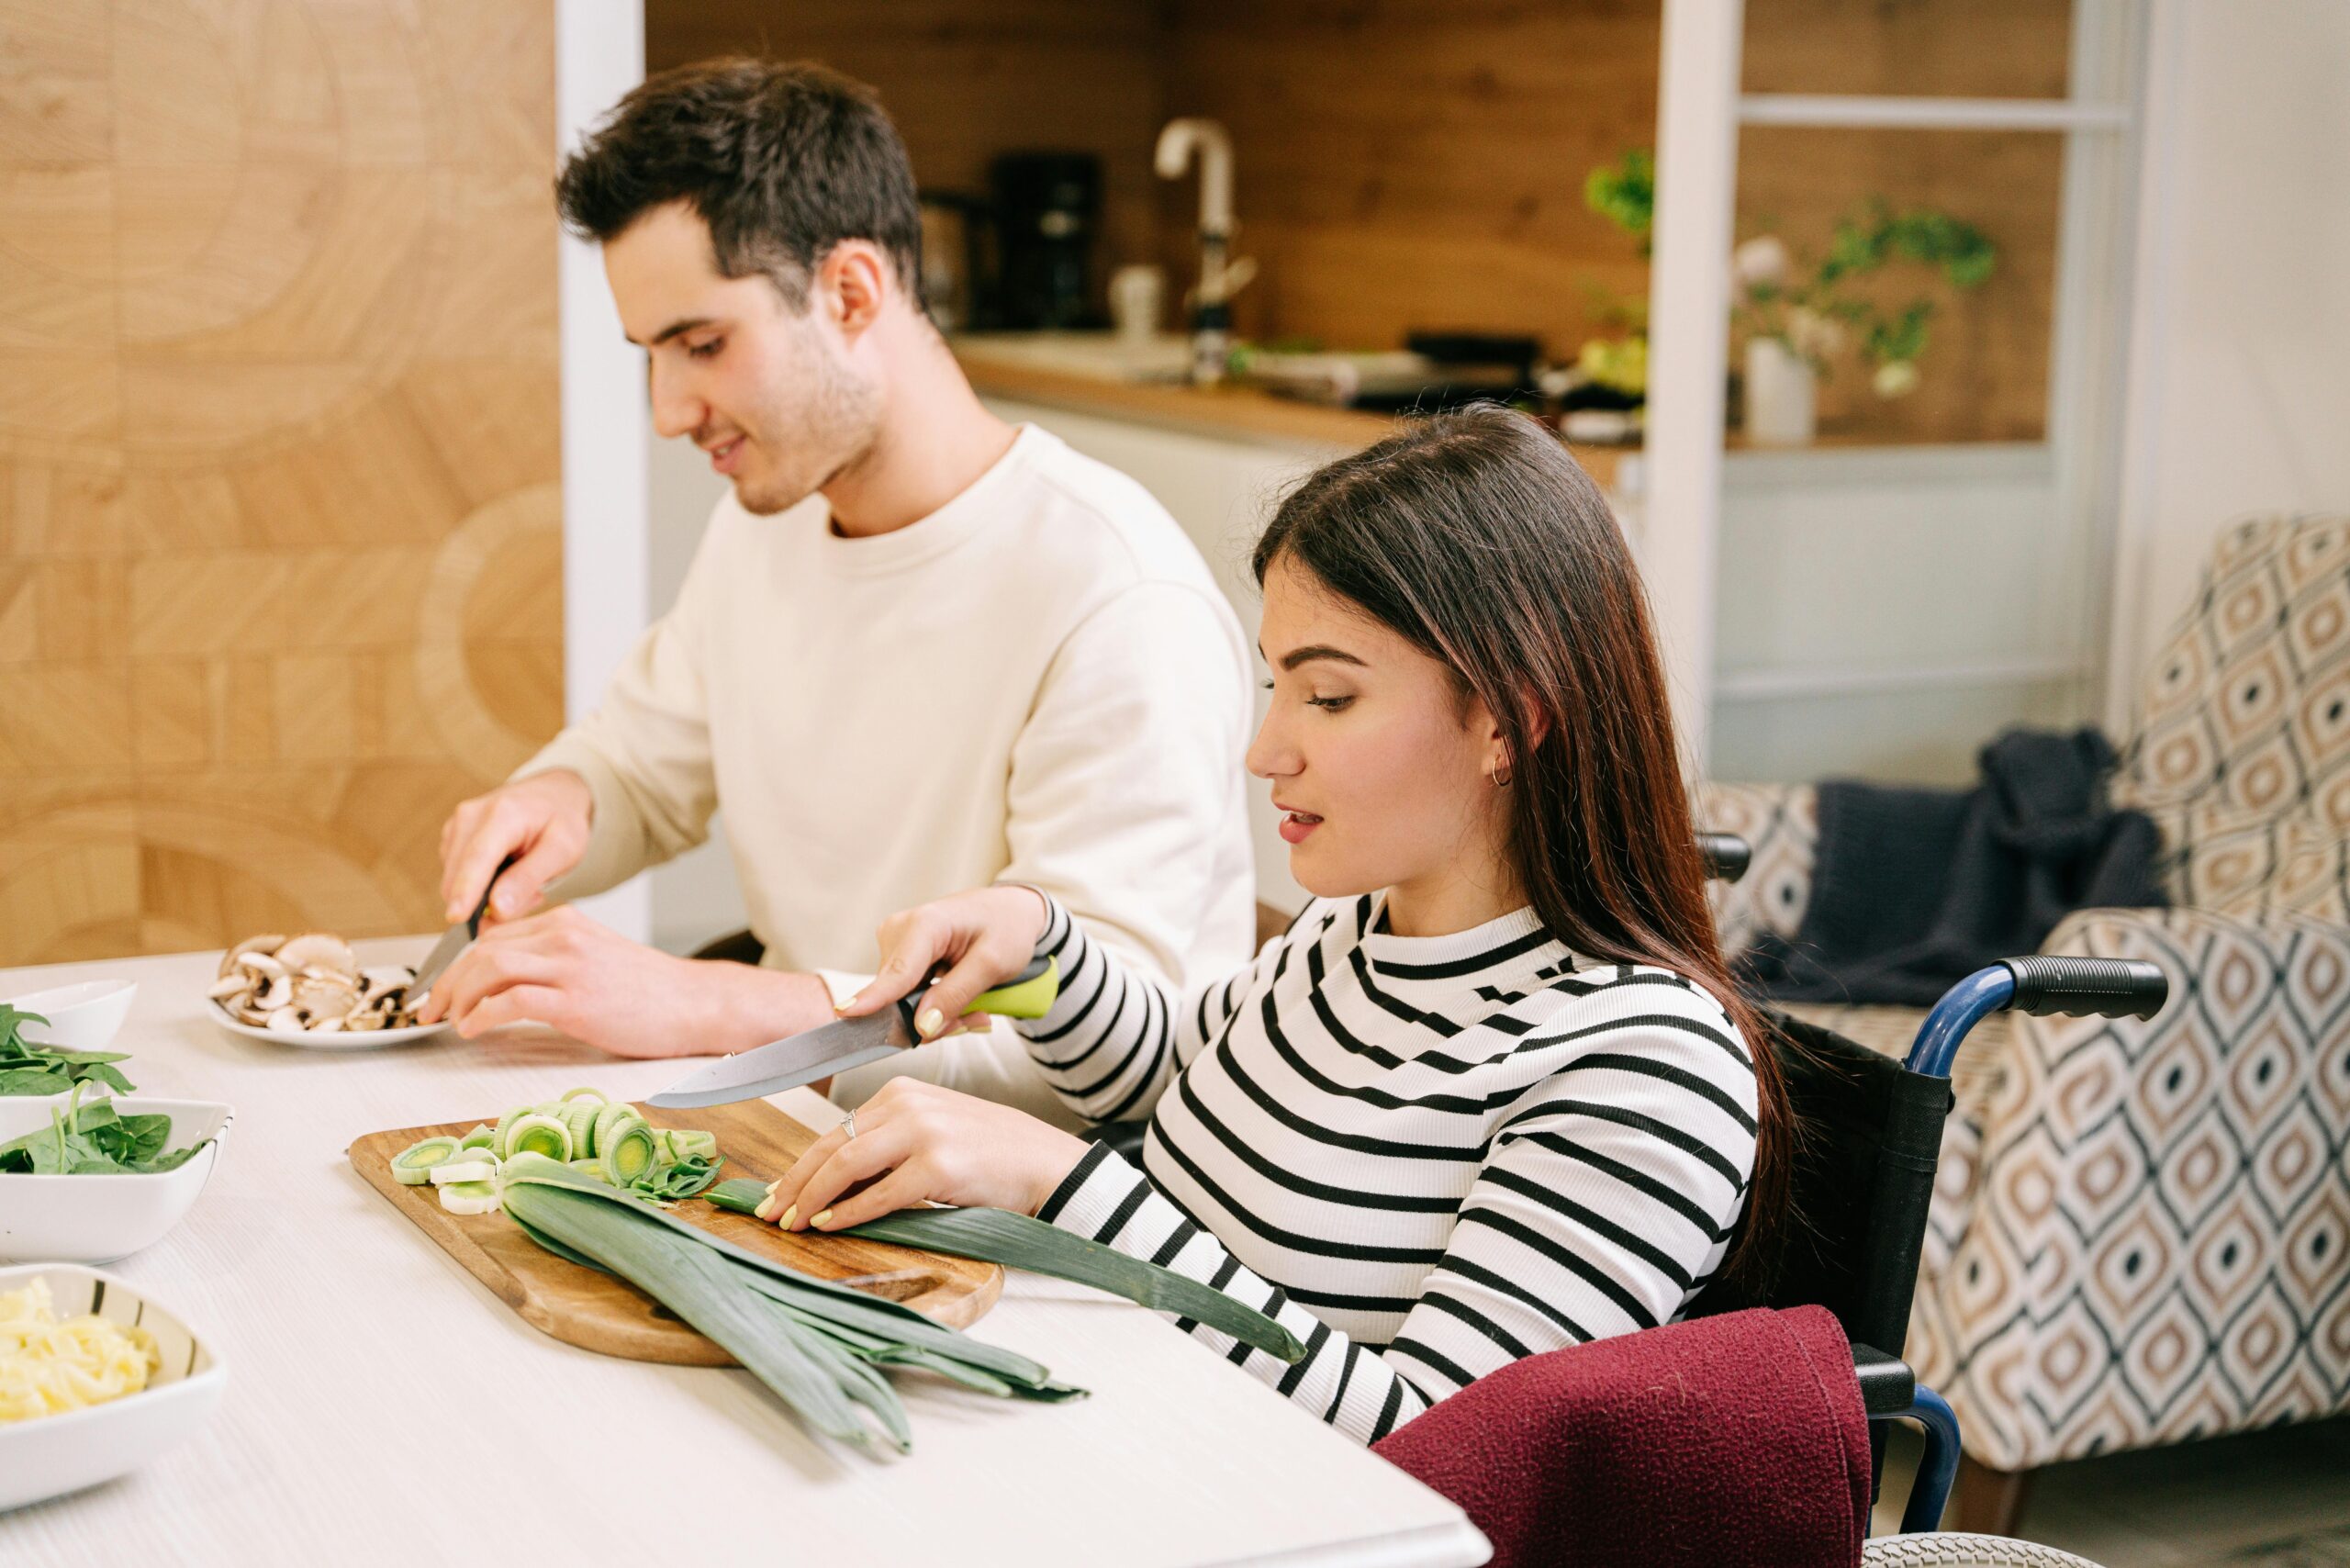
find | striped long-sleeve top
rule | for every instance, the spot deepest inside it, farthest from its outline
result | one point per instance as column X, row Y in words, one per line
column 1425, row 1157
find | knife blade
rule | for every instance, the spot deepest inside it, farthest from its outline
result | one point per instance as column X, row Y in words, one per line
column 846, row 1043
column 456, row 939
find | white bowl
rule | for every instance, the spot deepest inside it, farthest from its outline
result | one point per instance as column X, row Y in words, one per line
column 333, row 1040
column 98, row 1219
column 50, row 1455
column 82, row 1017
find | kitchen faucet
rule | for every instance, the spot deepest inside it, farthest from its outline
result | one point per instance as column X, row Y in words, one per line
column 1220, row 276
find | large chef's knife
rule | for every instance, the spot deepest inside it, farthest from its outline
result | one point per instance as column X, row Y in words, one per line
column 849, row 1042
column 454, row 940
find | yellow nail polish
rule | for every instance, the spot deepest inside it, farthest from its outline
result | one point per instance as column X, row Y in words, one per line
column 765, row 1204
column 790, row 1213
column 930, row 1023
column 843, row 1007
column 823, row 1219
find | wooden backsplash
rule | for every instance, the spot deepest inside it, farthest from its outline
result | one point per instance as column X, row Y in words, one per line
column 280, row 536
column 1404, row 164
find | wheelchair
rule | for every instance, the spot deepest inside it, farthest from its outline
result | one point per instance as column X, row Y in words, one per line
column 1863, row 1175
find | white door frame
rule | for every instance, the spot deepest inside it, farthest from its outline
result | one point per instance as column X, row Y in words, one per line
column 599, row 55
column 1700, row 110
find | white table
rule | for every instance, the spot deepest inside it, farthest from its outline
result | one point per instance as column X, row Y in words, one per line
column 383, row 1406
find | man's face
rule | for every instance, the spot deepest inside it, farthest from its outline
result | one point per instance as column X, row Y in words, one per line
column 768, row 392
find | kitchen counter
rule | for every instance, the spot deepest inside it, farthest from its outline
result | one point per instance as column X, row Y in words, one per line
column 1229, row 412
column 383, row 1407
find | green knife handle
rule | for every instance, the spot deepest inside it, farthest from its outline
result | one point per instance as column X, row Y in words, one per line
column 1028, row 994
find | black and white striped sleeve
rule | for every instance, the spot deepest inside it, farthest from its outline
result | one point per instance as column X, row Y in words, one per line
column 1115, row 1040
column 1603, row 1200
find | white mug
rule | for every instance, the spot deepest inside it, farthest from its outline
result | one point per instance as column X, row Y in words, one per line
column 1137, row 296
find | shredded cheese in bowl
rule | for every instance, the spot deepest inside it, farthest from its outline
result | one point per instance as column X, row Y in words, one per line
column 48, row 1367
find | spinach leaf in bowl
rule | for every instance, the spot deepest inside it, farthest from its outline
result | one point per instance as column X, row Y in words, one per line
column 95, row 1140
column 29, row 1069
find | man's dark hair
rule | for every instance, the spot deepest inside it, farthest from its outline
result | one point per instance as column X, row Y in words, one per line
column 782, row 162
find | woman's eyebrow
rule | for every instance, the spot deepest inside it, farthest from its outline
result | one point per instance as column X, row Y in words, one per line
column 1312, row 651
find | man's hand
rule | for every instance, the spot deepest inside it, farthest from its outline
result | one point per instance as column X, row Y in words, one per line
column 563, row 969
column 917, row 1142
column 544, row 819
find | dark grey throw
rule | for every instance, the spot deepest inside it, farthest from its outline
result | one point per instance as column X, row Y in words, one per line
column 1913, row 890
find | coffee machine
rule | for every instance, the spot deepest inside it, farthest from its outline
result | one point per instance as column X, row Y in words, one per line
column 1046, row 217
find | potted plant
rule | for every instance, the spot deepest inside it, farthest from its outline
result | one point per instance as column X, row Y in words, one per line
column 1798, row 317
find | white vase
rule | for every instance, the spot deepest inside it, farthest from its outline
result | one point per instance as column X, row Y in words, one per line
column 1782, row 395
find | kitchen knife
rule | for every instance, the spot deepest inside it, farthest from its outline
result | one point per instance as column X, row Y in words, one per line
column 850, row 1042
column 454, row 940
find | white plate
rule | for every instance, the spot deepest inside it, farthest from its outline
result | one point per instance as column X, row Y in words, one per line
column 81, row 1018
column 98, row 1219
column 50, row 1455
column 334, row 1040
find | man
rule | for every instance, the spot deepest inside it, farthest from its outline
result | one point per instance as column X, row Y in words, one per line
column 919, row 649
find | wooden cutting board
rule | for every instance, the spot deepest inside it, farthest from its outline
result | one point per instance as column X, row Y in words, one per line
column 597, row 1312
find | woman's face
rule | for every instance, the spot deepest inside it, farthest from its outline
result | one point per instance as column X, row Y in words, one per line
column 1382, row 769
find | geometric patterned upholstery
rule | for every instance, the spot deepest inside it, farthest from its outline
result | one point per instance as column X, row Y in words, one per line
column 2242, row 754
column 2141, row 1230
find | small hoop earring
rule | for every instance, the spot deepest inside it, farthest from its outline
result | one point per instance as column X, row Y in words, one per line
column 1501, row 775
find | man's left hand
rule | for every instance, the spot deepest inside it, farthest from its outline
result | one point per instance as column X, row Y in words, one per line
column 563, row 969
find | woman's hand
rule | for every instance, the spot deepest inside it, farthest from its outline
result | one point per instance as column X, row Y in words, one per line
column 987, row 936
column 916, row 1142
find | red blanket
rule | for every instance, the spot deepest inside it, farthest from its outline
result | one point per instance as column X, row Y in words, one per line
column 1721, row 1441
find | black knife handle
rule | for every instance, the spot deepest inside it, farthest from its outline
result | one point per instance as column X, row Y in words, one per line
column 473, row 922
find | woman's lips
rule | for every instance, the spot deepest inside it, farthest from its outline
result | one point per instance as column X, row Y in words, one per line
column 1295, row 825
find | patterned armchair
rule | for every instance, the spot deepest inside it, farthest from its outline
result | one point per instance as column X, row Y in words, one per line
column 2141, row 1232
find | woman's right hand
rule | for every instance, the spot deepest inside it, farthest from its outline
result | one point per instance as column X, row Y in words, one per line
column 984, row 936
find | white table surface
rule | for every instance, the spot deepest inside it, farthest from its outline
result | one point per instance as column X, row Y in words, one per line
column 383, row 1406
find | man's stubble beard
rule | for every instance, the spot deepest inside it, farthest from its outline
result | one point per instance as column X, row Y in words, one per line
column 834, row 428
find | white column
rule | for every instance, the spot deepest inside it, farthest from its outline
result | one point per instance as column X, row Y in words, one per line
column 1696, row 147
column 599, row 55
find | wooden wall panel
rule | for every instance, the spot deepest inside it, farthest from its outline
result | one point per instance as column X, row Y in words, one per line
column 1402, row 164
column 280, row 538
column 968, row 79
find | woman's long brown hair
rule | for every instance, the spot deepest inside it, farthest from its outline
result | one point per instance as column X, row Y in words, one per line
column 1480, row 541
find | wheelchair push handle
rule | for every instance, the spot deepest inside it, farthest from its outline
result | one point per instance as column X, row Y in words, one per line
column 1726, row 854
column 2104, row 988
column 2108, row 988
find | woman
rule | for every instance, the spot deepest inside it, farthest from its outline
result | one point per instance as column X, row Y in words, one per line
column 1494, row 1092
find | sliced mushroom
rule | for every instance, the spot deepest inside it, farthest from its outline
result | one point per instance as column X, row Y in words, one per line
column 317, row 949
column 231, row 987
column 277, row 993
column 325, row 996
column 264, row 944
column 283, row 1021
column 261, row 964
column 362, row 1022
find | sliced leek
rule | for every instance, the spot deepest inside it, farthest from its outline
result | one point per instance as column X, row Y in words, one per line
column 626, row 1148
column 608, row 1140
column 413, row 1165
column 463, row 1170
column 607, row 1121
column 690, row 1143
column 469, row 1197
column 538, row 1133
column 578, row 1117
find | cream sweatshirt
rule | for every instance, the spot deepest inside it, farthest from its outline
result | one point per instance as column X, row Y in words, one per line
column 1039, row 681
